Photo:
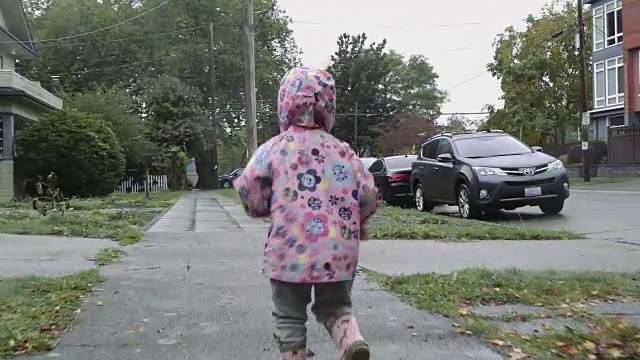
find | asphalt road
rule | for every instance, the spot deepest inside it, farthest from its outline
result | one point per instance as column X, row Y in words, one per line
column 604, row 211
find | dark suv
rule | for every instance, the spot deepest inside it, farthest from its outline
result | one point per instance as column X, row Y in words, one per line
column 485, row 170
column 226, row 181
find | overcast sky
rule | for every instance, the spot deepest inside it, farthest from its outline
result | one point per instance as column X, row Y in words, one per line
column 457, row 52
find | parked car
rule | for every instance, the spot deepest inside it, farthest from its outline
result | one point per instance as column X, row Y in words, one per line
column 487, row 170
column 226, row 181
column 391, row 175
column 368, row 161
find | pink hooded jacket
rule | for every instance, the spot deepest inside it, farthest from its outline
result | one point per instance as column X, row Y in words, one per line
column 314, row 187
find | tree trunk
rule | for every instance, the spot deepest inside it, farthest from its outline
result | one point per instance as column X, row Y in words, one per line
column 207, row 171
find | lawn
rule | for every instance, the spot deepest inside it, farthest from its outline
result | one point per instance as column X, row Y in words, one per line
column 117, row 217
column 561, row 295
column 392, row 223
column 578, row 183
column 34, row 311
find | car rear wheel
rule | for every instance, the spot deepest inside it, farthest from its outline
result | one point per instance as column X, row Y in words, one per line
column 465, row 208
column 226, row 184
column 420, row 201
column 552, row 207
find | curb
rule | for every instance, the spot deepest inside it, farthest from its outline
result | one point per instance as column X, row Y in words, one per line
column 155, row 219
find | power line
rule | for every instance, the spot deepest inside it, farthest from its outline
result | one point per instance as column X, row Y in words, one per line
column 355, row 114
column 124, row 39
column 97, row 30
column 391, row 26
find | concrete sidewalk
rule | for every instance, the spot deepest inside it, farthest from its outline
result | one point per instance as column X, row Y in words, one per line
column 193, row 291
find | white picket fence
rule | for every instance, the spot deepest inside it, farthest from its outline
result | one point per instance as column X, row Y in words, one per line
column 129, row 184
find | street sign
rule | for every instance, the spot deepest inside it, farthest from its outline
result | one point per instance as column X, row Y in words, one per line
column 586, row 119
column 585, row 145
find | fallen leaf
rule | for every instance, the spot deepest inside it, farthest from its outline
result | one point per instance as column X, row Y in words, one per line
column 463, row 312
column 588, row 345
column 142, row 329
column 517, row 354
column 497, row 342
column 569, row 349
column 615, row 353
column 99, row 303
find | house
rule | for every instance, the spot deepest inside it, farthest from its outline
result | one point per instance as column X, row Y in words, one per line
column 616, row 42
column 21, row 100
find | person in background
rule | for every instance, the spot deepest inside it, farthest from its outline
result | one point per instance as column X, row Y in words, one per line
column 319, row 196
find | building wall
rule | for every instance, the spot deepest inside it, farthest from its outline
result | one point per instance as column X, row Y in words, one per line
column 631, row 29
column 6, row 180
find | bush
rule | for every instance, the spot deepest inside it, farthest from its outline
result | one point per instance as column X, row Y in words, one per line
column 80, row 148
column 564, row 158
column 598, row 151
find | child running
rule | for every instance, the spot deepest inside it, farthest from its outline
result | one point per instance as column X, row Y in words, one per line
column 319, row 196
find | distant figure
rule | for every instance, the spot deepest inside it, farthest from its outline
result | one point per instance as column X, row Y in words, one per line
column 192, row 174
column 319, row 195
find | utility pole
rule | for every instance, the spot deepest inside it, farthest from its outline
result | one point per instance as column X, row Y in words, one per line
column 250, row 80
column 214, row 110
column 584, row 116
column 355, row 131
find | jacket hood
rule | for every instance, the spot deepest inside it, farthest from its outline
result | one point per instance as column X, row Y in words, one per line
column 306, row 99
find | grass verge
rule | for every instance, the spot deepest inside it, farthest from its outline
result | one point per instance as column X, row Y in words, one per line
column 397, row 223
column 117, row 217
column 108, row 255
column 578, row 183
column 393, row 223
column 562, row 293
column 35, row 310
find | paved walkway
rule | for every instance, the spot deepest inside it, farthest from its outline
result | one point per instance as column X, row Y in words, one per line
column 193, row 291
column 22, row 255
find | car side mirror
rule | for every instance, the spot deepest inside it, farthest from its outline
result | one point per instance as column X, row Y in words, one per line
column 446, row 157
column 537, row 148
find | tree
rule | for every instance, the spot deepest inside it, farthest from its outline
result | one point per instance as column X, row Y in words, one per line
column 457, row 122
column 118, row 108
column 81, row 149
column 538, row 72
column 405, row 133
column 175, row 118
column 381, row 83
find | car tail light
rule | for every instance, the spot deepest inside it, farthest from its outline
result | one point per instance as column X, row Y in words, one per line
column 398, row 177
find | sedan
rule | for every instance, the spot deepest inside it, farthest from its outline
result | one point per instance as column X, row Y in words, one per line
column 391, row 175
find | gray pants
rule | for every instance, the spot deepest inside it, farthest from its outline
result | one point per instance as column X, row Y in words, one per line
column 290, row 300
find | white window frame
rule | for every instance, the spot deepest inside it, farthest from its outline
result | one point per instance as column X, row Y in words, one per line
column 613, row 7
column 617, row 98
column 598, row 15
column 624, row 120
column 599, row 101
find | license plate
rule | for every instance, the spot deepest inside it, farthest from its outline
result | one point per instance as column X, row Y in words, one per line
column 533, row 191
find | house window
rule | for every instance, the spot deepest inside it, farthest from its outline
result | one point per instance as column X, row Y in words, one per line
column 613, row 22
column 599, row 85
column 615, row 81
column 615, row 120
column 1, row 63
column 598, row 28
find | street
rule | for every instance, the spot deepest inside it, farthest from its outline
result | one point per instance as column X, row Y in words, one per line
column 603, row 211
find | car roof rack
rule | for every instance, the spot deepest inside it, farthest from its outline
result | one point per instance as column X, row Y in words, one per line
column 464, row 132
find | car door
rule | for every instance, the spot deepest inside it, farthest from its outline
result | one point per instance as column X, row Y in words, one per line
column 443, row 178
column 377, row 169
column 424, row 168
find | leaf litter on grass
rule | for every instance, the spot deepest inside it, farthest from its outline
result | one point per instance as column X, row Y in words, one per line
column 34, row 310
column 564, row 294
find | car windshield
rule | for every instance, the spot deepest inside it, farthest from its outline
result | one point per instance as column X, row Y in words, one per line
column 399, row 162
column 490, row 146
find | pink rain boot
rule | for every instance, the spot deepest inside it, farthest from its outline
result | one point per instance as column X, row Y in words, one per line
column 346, row 334
column 295, row 355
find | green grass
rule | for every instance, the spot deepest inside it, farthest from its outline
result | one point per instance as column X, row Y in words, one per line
column 34, row 311
column 391, row 223
column 108, row 255
column 565, row 292
column 397, row 223
column 577, row 183
column 116, row 217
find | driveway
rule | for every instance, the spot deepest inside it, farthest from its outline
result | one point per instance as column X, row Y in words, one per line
column 603, row 211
